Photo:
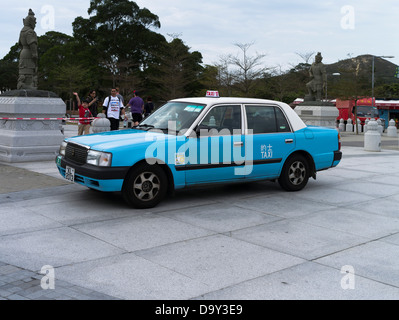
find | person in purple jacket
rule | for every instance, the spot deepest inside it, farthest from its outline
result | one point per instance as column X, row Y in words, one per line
column 136, row 108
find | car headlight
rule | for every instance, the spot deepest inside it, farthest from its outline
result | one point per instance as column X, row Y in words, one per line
column 98, row 158
column 62, row 148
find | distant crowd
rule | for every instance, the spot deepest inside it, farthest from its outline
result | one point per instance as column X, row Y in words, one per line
column 114, row 108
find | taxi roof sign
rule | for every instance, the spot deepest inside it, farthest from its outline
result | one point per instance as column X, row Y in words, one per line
column 213, row 94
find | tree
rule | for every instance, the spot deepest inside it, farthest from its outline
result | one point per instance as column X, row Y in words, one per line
column 388, row 91
column 178, row 71
column 211, row 80
column 9, row 69
column 120, row 33
column 71, row 78
column 280, row 83
column 225, row 75
column 248, row 68
column 58, row 55
column 54, row 52
column 306, row 56
column 62, row 58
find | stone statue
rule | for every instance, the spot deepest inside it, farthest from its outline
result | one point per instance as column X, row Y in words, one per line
column 319, row 80
column 28, row 58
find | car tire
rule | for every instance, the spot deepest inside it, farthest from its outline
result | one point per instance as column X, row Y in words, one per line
column 145, row 186
column 295, row 173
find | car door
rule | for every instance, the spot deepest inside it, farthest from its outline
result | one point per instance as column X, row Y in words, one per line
column 217, row 153
column 272, row 140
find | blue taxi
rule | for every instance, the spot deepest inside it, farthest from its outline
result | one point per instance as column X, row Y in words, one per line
column 200, row 141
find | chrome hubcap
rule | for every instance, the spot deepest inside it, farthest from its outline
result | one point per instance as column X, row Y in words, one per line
column 296, row 173
column 146, row 186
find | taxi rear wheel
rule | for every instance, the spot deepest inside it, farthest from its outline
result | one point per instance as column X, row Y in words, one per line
column 295, row 173
column 145, row 186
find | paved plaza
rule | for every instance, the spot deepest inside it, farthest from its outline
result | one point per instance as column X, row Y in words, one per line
column 336, row 239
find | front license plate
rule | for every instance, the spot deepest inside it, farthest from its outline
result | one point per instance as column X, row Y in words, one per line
column 70, row 173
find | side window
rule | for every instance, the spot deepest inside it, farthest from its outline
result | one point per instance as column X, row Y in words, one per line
column 282, row 123
column 261, row 119
column 266, row 119
column 223, row 120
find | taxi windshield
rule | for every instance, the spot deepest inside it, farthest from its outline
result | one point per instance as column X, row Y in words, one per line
column 173, row 116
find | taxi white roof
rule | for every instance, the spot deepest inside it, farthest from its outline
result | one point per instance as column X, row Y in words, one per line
column 295, row 120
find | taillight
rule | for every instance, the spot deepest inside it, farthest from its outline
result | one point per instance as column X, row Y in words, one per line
column 339, row 142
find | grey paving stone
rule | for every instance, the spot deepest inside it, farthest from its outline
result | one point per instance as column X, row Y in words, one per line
column 377, row 260
column 352, row 221
column 131, row 277
column 299, row 239
column 18, row 220
column 29, row 288
column 306, row 281
column 219, row 261
column 53, row 247
column 247, row 241
column 145, row 231
column 17, row 297
column 219, row 217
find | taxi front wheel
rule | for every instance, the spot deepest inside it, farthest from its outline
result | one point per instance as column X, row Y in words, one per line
column 145, row 186
column 295, row 173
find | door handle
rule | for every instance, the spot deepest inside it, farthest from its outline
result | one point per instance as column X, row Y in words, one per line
column 238, row 144
column 289, row 140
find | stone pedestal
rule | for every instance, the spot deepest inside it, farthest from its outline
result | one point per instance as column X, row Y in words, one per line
column 30, row 140
column 392, row 131
column 101, row 124
column 318, row 115
column 372, row 138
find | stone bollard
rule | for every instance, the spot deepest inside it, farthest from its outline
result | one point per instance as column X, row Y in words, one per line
column 101, row 124
column 372, row 138
column 380, row 128
column 359, row 125
column 366, row 122
column 392, row 131
column 349, row 125
column 341, row 126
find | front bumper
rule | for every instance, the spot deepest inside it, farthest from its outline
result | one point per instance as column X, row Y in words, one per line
column 106, row 179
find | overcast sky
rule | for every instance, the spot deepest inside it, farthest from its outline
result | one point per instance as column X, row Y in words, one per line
column 278, row 28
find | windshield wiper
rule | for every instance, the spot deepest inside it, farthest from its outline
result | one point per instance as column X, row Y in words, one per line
column 146, row 126
column 150, row 126
column 167, row 130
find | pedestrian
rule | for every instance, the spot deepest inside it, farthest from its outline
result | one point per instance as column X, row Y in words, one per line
column 84, row 113
column 136, row 108
column 148, row 107
column 93, row 102
column 119, row 95
column 113, row 108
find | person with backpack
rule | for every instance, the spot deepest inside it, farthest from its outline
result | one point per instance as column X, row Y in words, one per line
column 113, row 107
